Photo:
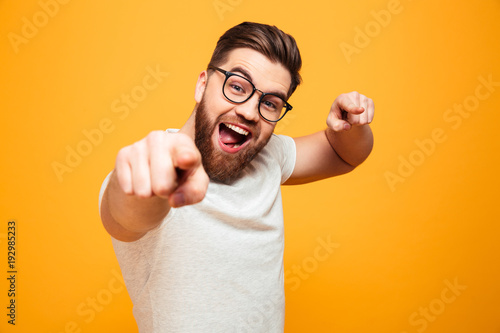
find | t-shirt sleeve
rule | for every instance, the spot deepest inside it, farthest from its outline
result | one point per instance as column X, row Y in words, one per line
column 287, row 152
column 103, row 188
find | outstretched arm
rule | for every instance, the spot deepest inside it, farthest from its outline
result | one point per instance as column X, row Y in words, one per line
column 161, row 171
column 340, row 148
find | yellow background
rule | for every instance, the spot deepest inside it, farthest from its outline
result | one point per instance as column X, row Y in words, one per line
column 399, row 244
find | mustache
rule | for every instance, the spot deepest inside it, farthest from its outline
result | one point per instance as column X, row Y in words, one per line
column 237, row 119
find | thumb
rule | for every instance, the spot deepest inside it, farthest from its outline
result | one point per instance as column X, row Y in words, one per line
column 353, row 108
column 342, row 109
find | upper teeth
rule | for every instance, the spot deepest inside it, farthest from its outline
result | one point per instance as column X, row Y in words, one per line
column 237, row 129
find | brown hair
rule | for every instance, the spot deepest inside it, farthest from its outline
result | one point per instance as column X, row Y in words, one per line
column 268, row 40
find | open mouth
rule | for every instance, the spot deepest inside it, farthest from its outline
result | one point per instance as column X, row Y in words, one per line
column 232, row 137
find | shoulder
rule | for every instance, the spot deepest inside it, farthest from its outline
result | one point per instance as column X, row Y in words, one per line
column 281, row 148
column 281, row 144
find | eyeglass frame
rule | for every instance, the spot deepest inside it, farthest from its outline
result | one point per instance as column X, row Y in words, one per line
column 228, row 74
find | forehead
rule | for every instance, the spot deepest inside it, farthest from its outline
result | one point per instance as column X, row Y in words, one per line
column 265, row 74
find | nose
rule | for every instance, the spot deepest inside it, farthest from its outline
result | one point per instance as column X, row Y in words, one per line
column 250, row 109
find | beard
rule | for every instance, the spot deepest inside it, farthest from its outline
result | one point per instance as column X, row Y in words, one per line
column 220, row 166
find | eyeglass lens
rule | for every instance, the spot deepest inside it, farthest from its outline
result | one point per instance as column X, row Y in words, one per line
column 238, row 90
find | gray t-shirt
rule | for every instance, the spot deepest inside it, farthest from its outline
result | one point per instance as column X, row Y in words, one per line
column 216, row 266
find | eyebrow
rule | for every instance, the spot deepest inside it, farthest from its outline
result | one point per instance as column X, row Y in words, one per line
column 242, row 71
column 247, row 75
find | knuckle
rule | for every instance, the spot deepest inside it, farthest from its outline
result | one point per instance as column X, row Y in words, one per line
column 371, row 103
column 126, row 189
column 123, row 175
column 143, row 193
column 153, row 138
column 137, row 148
column 156, row 134
column 162, row 189
column 122, row 156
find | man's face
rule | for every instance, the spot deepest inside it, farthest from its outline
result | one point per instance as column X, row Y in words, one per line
column 230, row 135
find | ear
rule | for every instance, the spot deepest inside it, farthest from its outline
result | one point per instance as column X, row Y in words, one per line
column 200, row 86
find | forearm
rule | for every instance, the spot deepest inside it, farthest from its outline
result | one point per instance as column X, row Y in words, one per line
column 129, row 217
column 352, row 146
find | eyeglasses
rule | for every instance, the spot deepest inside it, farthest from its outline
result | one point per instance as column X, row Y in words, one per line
column 239, row 89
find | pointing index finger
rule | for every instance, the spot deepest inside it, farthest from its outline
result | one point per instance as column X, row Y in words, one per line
column 185, row 154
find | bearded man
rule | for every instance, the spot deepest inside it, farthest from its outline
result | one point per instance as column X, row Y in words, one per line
column 195, row 214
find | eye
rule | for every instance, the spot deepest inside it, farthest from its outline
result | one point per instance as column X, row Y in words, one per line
column 273, row 103
column 269, row 105
column 236, row 88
